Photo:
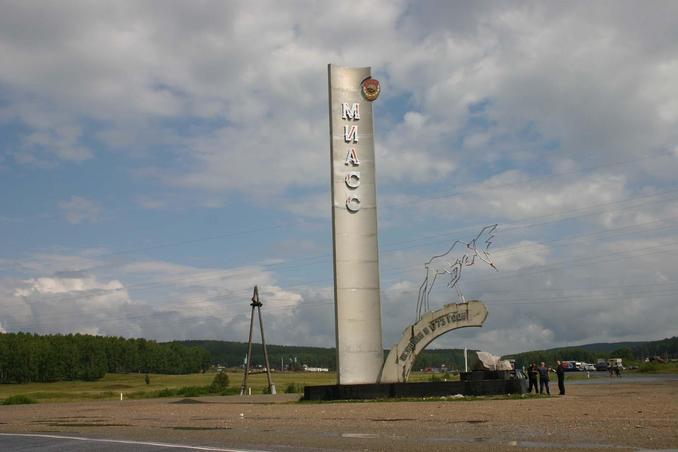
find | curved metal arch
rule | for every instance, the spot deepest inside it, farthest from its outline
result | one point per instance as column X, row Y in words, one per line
column 430, row 326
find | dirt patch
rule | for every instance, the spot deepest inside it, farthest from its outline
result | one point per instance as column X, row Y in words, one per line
column 624, row 416
column 188, row 401
column 82, row 424
column 393, row 420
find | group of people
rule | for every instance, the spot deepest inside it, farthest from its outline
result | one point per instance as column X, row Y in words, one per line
column 614, row 370
column 541, row 374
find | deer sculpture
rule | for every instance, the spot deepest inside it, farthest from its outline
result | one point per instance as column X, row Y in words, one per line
column 451, row 263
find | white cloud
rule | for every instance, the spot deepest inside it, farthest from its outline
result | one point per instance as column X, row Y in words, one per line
column 152, row 203
column 413, row 152
column 47, row 285
column 524, row 254
column 65, row 305
column 172, row 302
column 80, row 210
column 226, row 104
column 262, row 78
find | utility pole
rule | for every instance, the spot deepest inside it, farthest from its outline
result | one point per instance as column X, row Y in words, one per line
column 256, row 304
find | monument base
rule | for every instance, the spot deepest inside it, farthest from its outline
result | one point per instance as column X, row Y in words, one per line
column 471, row 384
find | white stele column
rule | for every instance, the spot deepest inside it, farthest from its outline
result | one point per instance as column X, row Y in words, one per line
column 354, row 226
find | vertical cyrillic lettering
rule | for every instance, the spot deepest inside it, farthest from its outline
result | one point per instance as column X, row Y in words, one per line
column 353, row 179
column 351, row 134
column 353, row 202
column 352, row 158
column 352, row 112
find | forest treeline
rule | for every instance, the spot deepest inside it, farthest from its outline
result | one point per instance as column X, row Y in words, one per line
column 665, row 348
column 232, row 354
column 26, row 358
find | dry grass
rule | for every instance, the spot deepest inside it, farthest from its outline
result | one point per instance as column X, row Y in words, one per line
column 111, row 385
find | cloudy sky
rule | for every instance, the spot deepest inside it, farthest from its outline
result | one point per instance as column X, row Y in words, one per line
column 158, row 159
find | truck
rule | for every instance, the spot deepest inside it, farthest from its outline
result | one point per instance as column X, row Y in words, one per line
column 601, row 364
column 588, row 367
column 572, row 366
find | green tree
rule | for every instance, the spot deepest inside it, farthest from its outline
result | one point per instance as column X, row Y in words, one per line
column 626, row 354
column 219, row 383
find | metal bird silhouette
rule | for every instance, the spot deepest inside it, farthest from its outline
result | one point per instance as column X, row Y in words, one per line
column 452, row 264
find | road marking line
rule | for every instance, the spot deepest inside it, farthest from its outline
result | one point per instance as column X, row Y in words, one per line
column 122, row 441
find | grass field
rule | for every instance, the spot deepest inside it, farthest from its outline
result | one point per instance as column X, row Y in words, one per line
column 134, row 385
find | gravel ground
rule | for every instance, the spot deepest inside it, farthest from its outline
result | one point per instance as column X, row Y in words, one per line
column 620, row 416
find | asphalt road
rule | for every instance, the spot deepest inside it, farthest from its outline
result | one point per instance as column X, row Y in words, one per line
column 59, row 443
column 604, row 378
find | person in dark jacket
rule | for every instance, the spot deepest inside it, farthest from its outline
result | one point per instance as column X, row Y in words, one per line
column 544, row 379
column 560, row 372
column 532, row 375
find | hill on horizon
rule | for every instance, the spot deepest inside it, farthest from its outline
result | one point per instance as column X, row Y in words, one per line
column 597, row 347
column 232, row 354
column 590, row 353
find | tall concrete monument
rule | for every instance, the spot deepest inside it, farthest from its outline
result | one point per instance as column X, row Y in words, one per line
column 361, row 370
column 354, row 225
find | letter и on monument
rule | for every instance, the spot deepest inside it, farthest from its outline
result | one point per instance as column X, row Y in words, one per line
column 354, row 228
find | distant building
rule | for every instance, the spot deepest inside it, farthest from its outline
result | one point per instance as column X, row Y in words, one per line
column 315, row 369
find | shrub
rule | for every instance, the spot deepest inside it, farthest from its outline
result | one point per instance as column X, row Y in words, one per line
column 193, row 391
column 294, row 388
column 220, row 383
column 167, row 392
column 18, row 400
column 649, row 367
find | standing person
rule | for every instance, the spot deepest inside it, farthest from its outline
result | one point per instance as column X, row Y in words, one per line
column 532, row 375
column 544, row 379
column 617, row 371
column 560, row 373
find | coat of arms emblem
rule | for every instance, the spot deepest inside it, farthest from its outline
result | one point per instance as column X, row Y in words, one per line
column 371, row 89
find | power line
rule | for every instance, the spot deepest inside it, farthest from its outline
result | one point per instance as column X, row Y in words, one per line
column 427, row 199
column 555, row 265
column 168, row 244
column 323, row 304
column 309, row 260
column 202, row 301
column 313, row 259
column 572, row 300
column 192, row 279
column 546, row 176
